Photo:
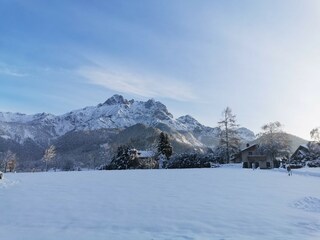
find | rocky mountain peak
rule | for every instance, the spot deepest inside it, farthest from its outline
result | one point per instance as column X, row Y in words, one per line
column 116, row 99
column 160, row 109
column 116, row 113
column 150, row 103
column 188, row 119
column 246, row 134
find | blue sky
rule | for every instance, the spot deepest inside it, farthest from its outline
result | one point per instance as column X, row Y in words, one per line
column 261, row 58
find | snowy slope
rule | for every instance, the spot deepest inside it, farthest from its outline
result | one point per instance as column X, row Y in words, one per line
column 203, row 204
column 116, row 112
column 20, row 127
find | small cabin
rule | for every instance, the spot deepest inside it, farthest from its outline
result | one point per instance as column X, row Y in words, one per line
column 301, row 153
column 251, row 158
column 146, row 159
column 134, row 153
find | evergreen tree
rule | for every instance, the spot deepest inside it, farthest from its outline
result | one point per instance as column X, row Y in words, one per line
column 123, row 159
column 164, row 146
column 229, row 139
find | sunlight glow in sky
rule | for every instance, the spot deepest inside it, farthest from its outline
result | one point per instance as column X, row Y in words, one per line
column 261, row 58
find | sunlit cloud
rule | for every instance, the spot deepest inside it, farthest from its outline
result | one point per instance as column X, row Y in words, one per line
column 145, row 85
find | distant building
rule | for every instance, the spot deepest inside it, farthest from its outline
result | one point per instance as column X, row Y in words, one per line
column 134, row 153
column 251, row 158
column 301, row 153
column 146, row 159
column 146, row 154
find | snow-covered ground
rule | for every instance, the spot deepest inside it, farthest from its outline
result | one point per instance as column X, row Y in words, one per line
column 222, row 203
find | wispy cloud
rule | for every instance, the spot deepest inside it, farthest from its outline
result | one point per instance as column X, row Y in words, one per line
column 146, row 85
column 11, row 71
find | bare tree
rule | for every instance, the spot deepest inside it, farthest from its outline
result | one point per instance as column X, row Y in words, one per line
column 229, row 139
column 314, row 146
column 49, row 155
column 315, row 134
column 273, row 140
column 9, row 161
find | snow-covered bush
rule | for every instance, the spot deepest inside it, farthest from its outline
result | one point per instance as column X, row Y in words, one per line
column 315, row 163
column 121, row 160
column 296, row 165
column 125, row 159
column 68, row 165
column 192, row 160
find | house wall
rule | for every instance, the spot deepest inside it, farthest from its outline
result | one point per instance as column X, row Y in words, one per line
column 245, row 154
column 148, row 163
column 261, row 161
column 264, row 164
column 267, row 163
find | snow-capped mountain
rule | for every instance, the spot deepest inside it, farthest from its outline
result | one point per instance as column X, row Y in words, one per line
column 88, row 137
column 115, row 113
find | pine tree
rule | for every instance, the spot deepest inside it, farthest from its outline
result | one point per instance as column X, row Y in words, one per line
column 122, row 159
column 229, row 139
column 168, row 148
column 164, row 146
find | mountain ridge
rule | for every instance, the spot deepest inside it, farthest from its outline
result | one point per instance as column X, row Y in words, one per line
column 115, row 112
column 89, row 136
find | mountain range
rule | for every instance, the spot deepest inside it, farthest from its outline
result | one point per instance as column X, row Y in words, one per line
column 87, row 137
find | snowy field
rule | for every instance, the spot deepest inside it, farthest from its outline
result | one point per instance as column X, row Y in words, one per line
column 222, row 203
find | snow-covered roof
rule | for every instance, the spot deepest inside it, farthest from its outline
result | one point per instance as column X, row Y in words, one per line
column 251, row 146
column 301, row 150
column 146, row 154
column 302, row 153
column 305, row 146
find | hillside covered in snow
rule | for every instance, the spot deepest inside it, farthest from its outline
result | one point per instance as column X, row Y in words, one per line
column 115, row 113
column 116, row 121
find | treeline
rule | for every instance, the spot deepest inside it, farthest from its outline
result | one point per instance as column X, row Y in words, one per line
column 163, row 157
column 272, row 141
